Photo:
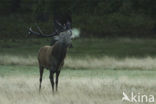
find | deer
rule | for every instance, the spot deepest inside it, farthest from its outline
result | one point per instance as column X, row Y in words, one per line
column 52, row 56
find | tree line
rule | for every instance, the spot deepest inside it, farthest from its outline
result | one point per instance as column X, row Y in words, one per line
column 100, row 18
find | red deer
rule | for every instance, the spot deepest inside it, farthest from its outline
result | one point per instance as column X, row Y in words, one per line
column 52, row 57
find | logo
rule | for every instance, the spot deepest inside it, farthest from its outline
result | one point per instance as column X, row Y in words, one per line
column 138, row 98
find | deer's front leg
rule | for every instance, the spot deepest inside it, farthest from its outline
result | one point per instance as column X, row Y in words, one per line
column 51, row 77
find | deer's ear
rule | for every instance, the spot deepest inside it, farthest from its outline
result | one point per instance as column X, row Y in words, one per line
column 68, row 24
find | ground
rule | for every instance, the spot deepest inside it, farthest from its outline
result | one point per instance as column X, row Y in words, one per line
column 87, row 86
column 96, row 75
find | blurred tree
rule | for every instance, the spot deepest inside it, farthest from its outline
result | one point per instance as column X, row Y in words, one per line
column 15, row 5
column 40, row 12
column 99, row 17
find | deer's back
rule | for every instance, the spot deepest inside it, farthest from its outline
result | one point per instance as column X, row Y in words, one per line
column 45, row 55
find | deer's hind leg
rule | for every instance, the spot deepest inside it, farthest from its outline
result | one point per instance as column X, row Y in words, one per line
column 57, row 76
column 41, row 68
column 51, row 77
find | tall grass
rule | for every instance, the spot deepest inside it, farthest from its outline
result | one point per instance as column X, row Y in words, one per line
column 147, row 63
column 121, row 53
column 24, row 90
column 19, row 74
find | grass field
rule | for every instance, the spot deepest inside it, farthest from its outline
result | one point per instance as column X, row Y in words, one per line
column 19, row 85
column 96, row 71
column 120, row 48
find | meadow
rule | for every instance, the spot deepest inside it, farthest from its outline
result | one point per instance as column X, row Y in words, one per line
column 96, row 71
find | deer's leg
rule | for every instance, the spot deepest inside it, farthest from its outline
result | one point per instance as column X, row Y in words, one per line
column 41, row 74
column 52, row 79
column 57, row 76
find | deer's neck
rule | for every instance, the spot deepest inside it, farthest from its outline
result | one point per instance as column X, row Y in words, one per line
column 59, row 50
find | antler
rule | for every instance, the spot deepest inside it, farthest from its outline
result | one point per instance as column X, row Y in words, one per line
column 65, row 26
column 59, row 24
column 40, row 33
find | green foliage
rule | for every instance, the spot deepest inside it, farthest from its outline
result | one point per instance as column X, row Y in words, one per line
column 116, row 24
column 84, row 47
column 101, row 18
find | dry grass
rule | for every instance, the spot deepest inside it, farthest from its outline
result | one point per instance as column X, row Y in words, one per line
column 24, row 90
column 17, row 60
column 18, row 85
column 112, row 63
column 147, row 63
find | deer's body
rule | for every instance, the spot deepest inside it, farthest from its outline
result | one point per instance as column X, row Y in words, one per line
column 52, row 57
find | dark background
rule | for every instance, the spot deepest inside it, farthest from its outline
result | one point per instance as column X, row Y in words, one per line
column 95, row 18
